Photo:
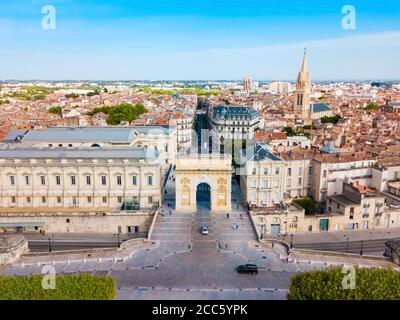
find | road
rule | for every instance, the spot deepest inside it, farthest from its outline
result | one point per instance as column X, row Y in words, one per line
column 63, row 241
column 62, row 245
column 369, row 247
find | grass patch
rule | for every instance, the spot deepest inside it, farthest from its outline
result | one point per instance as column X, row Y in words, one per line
column 370, row 284
column 67, row 287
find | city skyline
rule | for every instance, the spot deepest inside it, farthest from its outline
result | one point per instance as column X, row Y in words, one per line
column 124, row 40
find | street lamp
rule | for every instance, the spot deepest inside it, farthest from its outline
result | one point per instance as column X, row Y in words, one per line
column 361, row 250
column 50, row 249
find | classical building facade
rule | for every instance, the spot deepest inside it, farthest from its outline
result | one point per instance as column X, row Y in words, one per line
column 197, row 174
column 82, row 179
column 152, row 138
column 262, row 178
column 232, row 123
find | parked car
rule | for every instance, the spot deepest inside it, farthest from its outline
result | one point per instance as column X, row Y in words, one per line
column 248, row 268
column 204, row 230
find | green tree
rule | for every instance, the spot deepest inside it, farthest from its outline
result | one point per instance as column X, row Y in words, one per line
column 334, row 119
column 72, row 95
column 289, row 131
column 373, row 106
column 55, row 110
column 307, row 204
column 121, row 112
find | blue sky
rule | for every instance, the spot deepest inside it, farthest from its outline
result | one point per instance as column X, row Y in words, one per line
column 193, row 39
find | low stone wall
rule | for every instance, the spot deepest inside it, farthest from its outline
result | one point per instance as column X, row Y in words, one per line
column 338, row 254
column 339, row 259
column 88, row 222
column 12, row 247
column 152, row 226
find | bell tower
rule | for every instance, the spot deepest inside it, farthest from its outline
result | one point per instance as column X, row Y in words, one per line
column 303, row 90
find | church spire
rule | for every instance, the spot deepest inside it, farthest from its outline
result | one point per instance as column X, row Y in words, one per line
column 303, row 79
column 303, row 88
column 304, row 66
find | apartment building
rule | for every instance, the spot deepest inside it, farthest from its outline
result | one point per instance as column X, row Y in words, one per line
column 330, row 170
column 232, row 123
column 262, row 178
column 357, row 207
column 386, row 178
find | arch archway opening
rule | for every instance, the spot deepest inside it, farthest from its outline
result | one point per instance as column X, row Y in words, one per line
column 203, row 196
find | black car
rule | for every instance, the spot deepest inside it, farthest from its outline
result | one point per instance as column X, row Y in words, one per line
column 247, row 268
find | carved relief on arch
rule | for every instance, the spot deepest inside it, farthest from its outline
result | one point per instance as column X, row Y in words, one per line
column 221, row 196
column 185, row 195
column 185, row 180
column 221, row 181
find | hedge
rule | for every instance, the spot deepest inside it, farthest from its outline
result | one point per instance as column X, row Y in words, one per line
column 68, row 287
column 370, row 284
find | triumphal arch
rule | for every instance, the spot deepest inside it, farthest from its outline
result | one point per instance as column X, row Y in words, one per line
column 201, row 173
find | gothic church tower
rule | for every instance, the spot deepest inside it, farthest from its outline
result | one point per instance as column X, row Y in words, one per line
column 303, row 89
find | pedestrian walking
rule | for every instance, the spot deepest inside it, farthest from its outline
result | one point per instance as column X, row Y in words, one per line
column 170, row 212
column 226, row 246
column 227, row 215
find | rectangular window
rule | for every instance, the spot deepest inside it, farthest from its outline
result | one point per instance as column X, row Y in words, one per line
column 253, row 183
column 28, row 199
column 74, row 201
column 134, row 180
column 265, row 171
column 150, row 180
column 299, row 181
column 324, row 174
column 103, row 180
column 119, row 180
column 89, row 199
column 58, row 180
column 289, row 171
column 58, row 199
column 104, row 199
column 43, row 199
column 73, row 180
column 12, row 180
column 88, row 180
column 43, row 180
column 27, row 180
column 253, row 171
column 50, row 145
column 119, row 199
column 60, row 145
column 150, row 199
column 13, row 200
column 265, row 183
column 277, row 170
column 70, row 145
column 300, row 171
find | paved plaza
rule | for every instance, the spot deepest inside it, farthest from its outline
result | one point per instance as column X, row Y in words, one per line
column 181, row 263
